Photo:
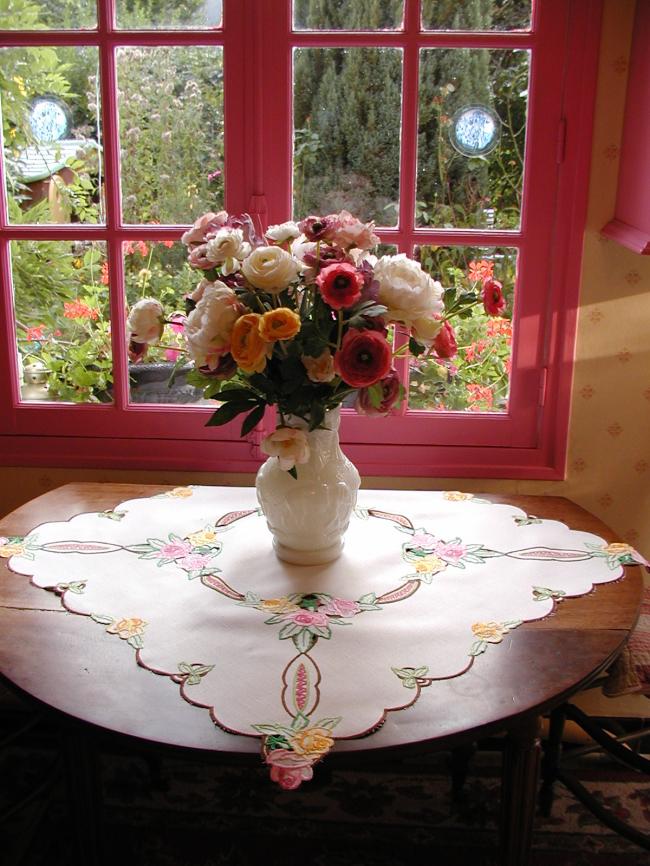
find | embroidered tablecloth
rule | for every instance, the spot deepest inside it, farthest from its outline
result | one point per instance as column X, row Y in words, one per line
column 189, row 582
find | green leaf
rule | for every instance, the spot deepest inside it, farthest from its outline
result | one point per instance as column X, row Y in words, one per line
column 102, row 619
column 293, row 472
column 226, row 413
column 299, row 722
column 241, row 395
column 253, row 419
column 304, row 641
column 415, row 348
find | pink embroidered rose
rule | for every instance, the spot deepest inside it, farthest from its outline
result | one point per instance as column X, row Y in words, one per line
column 308, row 617
column 175, row 549
column 340, row 607
column 288, row 769
column 194, row 561
column 424, row 539
column 449, row 551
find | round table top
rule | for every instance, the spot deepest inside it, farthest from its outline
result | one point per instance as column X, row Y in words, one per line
column 65, row 662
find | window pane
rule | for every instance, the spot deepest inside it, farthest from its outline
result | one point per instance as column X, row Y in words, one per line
column 171, row 133
column 159, row 270
column 48, row 14
column 347, row 14
column 62, row 320
column 51, row 128
column 347, row 132
column 172, row 14
column 476, row 377
column 472, row 127
column 476, row 14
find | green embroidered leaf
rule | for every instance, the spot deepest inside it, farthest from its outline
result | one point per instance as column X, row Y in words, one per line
column 368, row 598
column 289, row 629
column 299, row 722
column 251, row 598
column 276, row 742
column 421, row 672
column 320, row 631
column 409, row 676
column 362, row 513
column 102, row 619
column 477, row 648
column 273, row 729
column 135, row 641
column 77, row 586
column 193, row 680
column 541, row 593
column 512, row 623
column 328, row 722
column 275, row 619
column 304, row 641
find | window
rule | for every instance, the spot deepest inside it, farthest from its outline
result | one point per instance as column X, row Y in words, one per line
column 461, row 128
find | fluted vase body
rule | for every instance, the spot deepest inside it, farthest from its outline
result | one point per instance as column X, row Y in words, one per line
column 308, row 516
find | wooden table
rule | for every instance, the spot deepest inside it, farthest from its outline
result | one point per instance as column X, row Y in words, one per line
column 65, row 662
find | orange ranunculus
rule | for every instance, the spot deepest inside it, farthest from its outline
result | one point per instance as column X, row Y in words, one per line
column 248, row 348
column 280, row 324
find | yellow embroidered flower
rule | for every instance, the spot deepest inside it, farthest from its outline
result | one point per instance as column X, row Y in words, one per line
column 618, row 548
column 126, row 628
column 248, row 348
column 180, row 492
column 492, row 632
column 430, row 564
column 313, row 742
column 203, row 536
column 13, row 549
column 280, row 324
column 457, row 496
column 279, row 605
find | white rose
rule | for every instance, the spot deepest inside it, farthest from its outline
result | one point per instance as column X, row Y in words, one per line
column 145, row 323
column 425, row 330
column 283, row 232
column 227, row 244
column 270, row 269
column 289, row 445
column 408, row 291
column 209, row 326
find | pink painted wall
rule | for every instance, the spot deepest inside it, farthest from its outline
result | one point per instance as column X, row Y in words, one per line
column 608, row 469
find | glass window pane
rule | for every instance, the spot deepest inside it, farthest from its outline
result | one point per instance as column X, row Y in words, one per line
column 52, row 134
column 347, row 14
column 62, row 320
column 171, row 133
column 159, row 270
column 168, row 14
column 48, row 14
column 476, row 14
column 347, row 104
column 471, row 137
column 475, row 377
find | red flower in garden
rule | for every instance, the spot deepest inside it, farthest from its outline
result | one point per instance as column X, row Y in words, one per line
column 35, row 333
column 493, row 299
column 363, row 359
column 78, row 310
column 104, row 275
column 340, row 285
column 444, row 344
column 481, row 270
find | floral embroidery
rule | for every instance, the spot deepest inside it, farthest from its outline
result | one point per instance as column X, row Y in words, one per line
column 17, row 545
column 112, row 515
column 457, row 496
column 292, row 750
column 129, row 629
column 527, row 520
column 541, row 593
column 76, row 586
column 180, row 492
column 193, row 554
column 490, row 632
column 191, row 675
column 618, row 553
column 413, row 677
column 432, row 555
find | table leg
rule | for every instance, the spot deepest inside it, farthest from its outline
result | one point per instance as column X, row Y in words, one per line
column 84, row 799
column 519, row 780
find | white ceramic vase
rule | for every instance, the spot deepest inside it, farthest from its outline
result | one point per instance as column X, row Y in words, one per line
column 308, row 516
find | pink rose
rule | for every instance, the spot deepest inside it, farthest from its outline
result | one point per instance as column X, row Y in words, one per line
column 175, row 549
column 449, row 551
column 423, row 539
column 317, row 228
column 340, row 607
column 194, row 561
column 308, row 617
column 288, row 769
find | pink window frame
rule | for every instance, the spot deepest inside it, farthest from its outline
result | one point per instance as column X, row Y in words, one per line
column 527, row 442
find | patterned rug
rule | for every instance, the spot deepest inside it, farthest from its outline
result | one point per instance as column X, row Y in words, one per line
column 175, row 811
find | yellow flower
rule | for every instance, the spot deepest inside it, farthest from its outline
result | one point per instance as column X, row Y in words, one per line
column 432, row 564
column 457, row 496
column 203, row 536
column 280, row 324
column 248, row 348
column 619, row 548
column 8, row 550
column 313, row 742
column 279, row 605
column 492, row 632
column 127, row 628
column 180, row 492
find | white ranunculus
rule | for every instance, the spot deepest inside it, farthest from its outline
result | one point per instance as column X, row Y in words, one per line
column 284, row 232
column 426, row 329
column 209, row 326
column 270, row 269
column 227, row 244
column 289, row 445
column 146, row 321
column 408, row 291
